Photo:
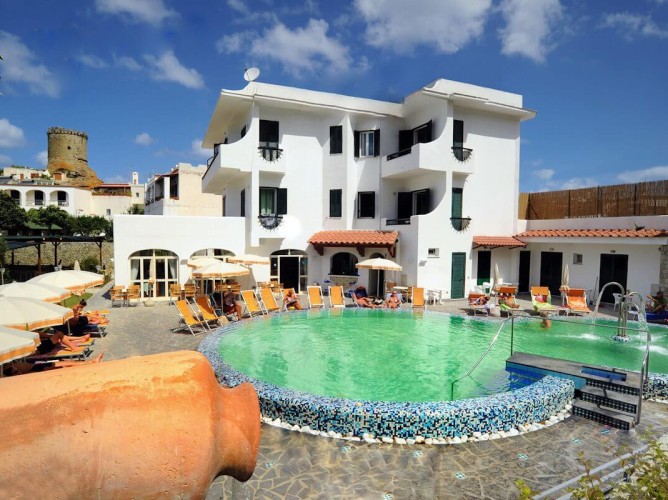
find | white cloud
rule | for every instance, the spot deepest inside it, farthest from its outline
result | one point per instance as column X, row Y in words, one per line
column 144, row 139
column 20, row 65
column 197, row 149
column 127, row 63
column 92, row 61
column 642, row 175
column 578, row 182
column 11, row 136
column 42, row 158
column 304, row 51
column 529, row 24
column 168, row 68
column 544, row 174
column 5, row 160
column 234, row 43
column 117, row 179
column 238, row 5
column 147, row 11
column 447, row 25
column 631, row 26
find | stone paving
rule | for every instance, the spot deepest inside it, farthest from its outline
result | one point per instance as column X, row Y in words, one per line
column 293, row 465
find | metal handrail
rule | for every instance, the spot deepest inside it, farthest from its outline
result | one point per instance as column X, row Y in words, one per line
column 489, row 348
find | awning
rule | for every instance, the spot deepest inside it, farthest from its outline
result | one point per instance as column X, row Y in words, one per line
column 594, row 233
column 497, row 242
column 360, row 239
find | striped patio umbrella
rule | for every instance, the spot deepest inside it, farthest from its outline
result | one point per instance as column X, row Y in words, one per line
column 29, row 314
column 32, row 336
column 202, row 261
column 47, row 293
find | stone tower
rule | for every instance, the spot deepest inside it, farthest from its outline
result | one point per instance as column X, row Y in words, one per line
column 68, row 156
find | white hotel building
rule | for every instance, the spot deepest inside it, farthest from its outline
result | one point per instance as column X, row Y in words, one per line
column 319, row 181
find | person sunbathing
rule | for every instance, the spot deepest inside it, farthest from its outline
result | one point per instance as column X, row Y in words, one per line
column 23, row 367
column 658, row 303
column 393, row 301
column 291, row 301
column 362, row 299
column 508, row 301
column 231, row 306
column 49, row 342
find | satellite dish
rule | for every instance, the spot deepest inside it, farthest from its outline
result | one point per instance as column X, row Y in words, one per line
column 251, row 74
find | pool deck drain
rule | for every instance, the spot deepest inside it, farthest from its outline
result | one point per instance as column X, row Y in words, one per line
column 305, row 466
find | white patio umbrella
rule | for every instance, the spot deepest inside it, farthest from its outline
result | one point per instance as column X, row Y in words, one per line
column 32, row 336
column 496, row 278
column 249, row 259
column 72, row 280
column 379, row 264
column 202, row 261
column 220, row 269
column 14, row 345
column 47, row 293
column 29, row 314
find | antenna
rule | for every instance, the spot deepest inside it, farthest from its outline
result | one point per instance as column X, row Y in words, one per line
column 251, row 74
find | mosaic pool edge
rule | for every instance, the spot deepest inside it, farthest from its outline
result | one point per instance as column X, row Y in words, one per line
column 372, row 419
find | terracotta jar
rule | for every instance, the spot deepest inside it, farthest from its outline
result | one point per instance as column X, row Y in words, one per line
column 142, row 427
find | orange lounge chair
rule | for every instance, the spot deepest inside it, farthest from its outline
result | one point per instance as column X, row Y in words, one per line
column 269, row 300
column 541, row 300
column 336, row 296
column 207, row 311
column 417, row 294
column 477, row 303
column 576, row 301
column 315, row 297
column 189, row 320
column 251, row 303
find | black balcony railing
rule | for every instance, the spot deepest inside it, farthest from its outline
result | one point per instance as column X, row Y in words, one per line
column 398, row 222
column 270, row 153
column 270, row 221
column 403, row 152
column 460, row 223
column 462, row 154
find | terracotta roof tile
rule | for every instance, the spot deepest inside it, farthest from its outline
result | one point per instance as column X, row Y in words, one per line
column 497, row 241
column 354, row 238
column 593, row 233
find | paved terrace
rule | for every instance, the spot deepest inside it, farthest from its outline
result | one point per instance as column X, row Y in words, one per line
column 293, row 465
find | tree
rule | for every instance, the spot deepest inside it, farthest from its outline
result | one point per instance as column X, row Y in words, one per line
column 90, row 225
column 3, row 250
column 47, row 216
column 136, row 210
column 12, row 216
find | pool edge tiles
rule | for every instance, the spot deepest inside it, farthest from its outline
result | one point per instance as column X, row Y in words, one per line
column 338, row 417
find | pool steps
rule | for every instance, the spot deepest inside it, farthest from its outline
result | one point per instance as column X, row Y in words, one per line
column 605, row 395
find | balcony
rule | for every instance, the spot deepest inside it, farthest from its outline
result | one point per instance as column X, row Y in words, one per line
column 231, row 161
column 270, row 158
column 461, row 153
column 420, row 158
column 270, row 221
column 460, row 223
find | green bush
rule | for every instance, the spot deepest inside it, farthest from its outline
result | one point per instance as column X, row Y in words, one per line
column 88, row 263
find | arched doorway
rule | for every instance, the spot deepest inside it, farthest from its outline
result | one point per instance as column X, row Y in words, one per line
column 154, row 270
column 290, row 267
column 343, row 264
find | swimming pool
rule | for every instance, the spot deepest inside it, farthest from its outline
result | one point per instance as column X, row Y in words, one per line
column 312, row 366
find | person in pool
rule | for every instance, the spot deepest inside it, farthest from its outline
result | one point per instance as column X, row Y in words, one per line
column 393, row 301
column 658, row 303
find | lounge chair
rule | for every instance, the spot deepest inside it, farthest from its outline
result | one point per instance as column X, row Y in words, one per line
column 315, row 297
column 477, row 303
column 251, row 303
column 507, row 303
column 191, row 323
column 60, row 353
column 576, row 301
column 268, row 299
column 207, row 311
column 417, row 295
column 541, row 299
column 189, row 291
column 336, row 296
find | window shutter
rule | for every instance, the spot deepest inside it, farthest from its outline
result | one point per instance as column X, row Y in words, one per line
column 428, row 132
column 457, row 198
column 405, row 139
column 372, row 202
column 404, row 205
column 335, row 139
column 357, row 144
column 458, row 133
column 282, row 201
column 376, row 142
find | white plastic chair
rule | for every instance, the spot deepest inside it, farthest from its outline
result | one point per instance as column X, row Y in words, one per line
column 618, row 300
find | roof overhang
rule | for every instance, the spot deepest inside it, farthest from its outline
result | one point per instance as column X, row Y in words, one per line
column 538, row 235
column 497, row 242
column 358, row 239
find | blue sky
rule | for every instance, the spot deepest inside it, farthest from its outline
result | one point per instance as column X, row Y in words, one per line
column 141, row 77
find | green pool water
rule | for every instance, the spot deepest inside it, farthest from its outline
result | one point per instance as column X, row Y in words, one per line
column 397, row 356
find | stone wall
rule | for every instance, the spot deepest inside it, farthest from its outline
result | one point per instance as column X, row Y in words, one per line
column 663, row 269
column 67, row 253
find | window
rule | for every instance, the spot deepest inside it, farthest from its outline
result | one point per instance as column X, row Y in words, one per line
column 366, row 205
column 108, row 211
column 268, row 134
column 421, row 133
column 457, row 201
column 335, row 202
column 336, row 139
column 577, row 259
column 367, row 143
column 243, row 132
column 39, row 198
column 458, row 134
column 413, row 203
column 343, row 263
column 273, row 201
column 224, row 203
column 432, row 253
column 242, row 211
